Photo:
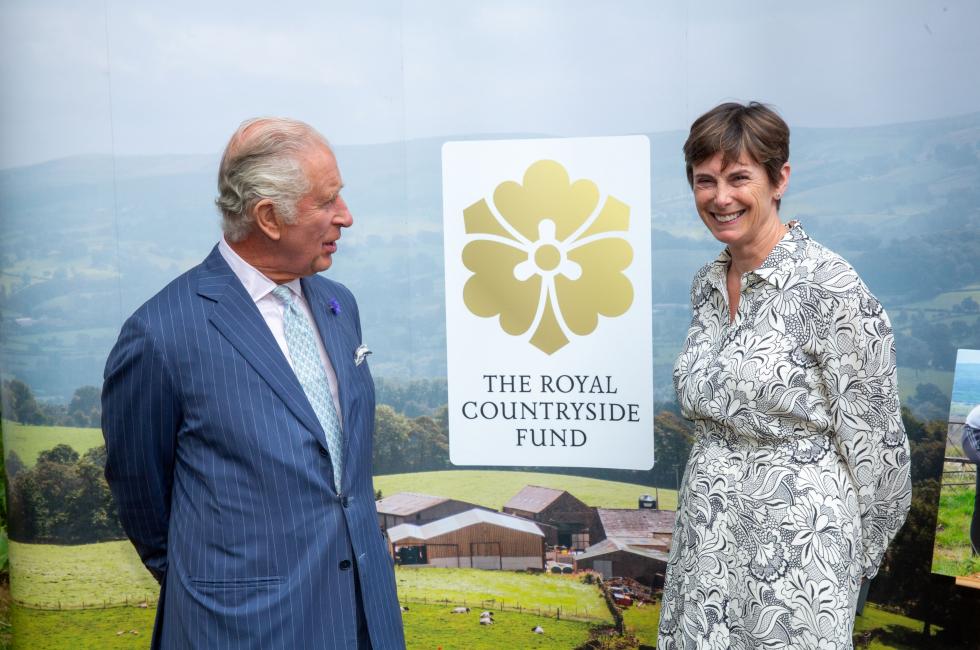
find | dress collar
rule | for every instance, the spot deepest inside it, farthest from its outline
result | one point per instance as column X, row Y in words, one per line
column 786, row 255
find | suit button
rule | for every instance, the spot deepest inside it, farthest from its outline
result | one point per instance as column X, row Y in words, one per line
column 345, row 501
column 344, row 565
column 323, row 452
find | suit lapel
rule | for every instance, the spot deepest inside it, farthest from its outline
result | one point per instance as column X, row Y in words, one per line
column 239, row 321
column 340, row 349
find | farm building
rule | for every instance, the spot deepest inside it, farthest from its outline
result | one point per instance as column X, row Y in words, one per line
column 572, row 519
column 642, row 527
column 613, row 558
column 480, row 539
column 413, row 508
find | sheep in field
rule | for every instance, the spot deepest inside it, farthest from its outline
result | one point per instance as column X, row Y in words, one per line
column 537, row 629
column 460, row 610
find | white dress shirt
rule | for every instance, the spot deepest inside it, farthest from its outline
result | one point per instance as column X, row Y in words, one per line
column 260, row 289
column 973, row 419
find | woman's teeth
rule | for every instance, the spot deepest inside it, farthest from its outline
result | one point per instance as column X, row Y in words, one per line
column 725, row 218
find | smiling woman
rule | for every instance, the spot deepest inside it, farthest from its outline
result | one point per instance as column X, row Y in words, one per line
column 799, row 475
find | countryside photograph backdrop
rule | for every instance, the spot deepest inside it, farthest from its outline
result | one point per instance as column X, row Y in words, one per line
column 112, row 119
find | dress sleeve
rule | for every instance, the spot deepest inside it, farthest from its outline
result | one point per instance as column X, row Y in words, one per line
column 860, row 378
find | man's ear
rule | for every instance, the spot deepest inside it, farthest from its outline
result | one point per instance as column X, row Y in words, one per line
column 267, row 219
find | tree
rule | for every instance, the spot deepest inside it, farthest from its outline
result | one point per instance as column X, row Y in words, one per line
column 64, row 499
column 428, row 445
column 59, row 454
column 19, row 403
column 929, row 402
column 85, row 409
column 390, row 440
column 674, row 438
column 96, row 455
column 14, row 465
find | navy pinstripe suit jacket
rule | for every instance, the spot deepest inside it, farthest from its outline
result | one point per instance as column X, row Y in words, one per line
column 222, row 476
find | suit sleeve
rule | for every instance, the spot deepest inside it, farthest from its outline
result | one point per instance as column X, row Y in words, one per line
column 860, row 379
column 140, row 418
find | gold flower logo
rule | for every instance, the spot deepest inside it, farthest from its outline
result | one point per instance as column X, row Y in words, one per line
column 546, row 259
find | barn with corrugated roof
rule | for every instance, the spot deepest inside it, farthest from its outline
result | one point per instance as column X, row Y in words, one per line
column 613, row 558
column 479, row 539
column 638, row 527
column 634, row 544
column 415, row 508
column 572, row 519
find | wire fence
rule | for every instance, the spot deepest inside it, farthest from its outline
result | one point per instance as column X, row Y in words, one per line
column 59, row 606
column 963, row 473
column 597, row 614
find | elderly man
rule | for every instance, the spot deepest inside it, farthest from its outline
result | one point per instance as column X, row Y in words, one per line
column 238, row 411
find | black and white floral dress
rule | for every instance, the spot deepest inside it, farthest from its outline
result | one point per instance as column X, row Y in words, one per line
column 799, row 474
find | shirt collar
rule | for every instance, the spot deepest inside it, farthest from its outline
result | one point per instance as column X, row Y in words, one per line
column 256, row 284
column 780, row 261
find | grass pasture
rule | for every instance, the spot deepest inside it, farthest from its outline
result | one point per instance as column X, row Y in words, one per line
column 885, row 630
column 951, row 554
column 643, row 623
column 910, row 378
column 477, row 588
column 50, row 575
column 95, row 629
column 889, row 631
column 29, row 440
column 494, row 488
column 428, row 627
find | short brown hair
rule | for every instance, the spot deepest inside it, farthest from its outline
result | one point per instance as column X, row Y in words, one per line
column 734, row 129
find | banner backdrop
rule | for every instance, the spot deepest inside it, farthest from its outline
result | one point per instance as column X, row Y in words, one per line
column 113, row 115
column 548, row 331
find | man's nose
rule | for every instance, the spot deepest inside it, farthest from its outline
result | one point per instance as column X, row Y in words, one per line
column 343, row 218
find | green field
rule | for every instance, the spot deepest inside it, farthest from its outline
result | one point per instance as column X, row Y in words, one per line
column 951, row 555
column 544, row 593
column 29, row 440
column 49, row 575
column 494, row 488
column 428, row 627
column 889, row 631
column 71, row 575
column 946, row 300
column 910, row 378
column 96, row 629
column 643, row 623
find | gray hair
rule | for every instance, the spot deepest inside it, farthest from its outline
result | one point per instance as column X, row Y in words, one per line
column 262, row 161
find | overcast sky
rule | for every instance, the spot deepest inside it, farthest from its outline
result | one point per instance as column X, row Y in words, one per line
column 100, row 76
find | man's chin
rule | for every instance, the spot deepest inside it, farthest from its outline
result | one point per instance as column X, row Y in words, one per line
column 322, row 263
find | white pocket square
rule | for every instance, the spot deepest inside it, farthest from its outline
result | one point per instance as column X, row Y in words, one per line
column 360, row 354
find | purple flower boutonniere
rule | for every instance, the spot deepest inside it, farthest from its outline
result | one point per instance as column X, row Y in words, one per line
column 334, row 306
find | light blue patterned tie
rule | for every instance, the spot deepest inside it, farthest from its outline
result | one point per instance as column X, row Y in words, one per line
column 311, row 374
